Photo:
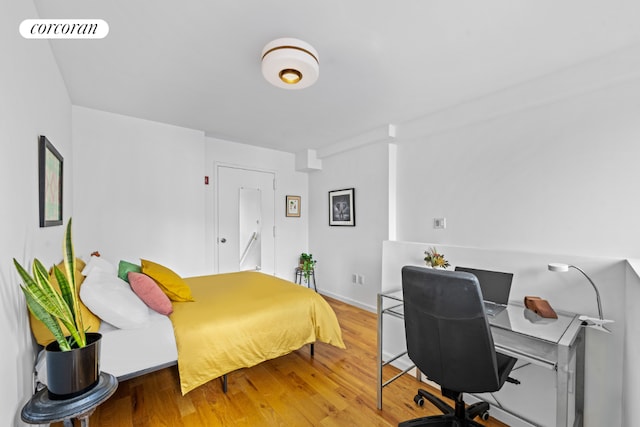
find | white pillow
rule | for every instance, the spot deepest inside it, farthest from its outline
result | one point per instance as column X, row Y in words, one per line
column 111, row 299
column 98, row 263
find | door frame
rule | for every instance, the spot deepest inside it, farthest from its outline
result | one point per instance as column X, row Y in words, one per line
column 216, row 202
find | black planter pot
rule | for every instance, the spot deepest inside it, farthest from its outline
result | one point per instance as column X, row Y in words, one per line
column 72, row 373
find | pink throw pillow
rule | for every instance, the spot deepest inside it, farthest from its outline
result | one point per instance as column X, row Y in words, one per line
column 149, row 292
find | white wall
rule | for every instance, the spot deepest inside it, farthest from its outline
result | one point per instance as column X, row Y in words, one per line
column 631, row 381
column 342, row 251
column 560, row 177
column 139, row 191
column 34, row 102
column 291, row 233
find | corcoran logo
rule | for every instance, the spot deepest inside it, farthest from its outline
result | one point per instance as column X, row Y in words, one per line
column 64, row 28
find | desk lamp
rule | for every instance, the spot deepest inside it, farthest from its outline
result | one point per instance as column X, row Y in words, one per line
column 588, row 321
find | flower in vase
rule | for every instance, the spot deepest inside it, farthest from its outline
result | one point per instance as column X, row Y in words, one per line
column 434, row 259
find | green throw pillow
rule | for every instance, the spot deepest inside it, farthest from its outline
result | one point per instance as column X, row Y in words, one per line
column 125, row 267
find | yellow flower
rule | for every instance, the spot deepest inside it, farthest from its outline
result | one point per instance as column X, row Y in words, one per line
column 435, row 259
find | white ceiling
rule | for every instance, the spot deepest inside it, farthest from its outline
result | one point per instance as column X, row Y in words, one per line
column 196, row 63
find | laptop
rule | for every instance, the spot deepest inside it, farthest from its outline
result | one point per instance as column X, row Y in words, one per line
column 495, row 287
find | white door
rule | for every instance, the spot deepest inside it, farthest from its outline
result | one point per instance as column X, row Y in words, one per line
column 245, row 212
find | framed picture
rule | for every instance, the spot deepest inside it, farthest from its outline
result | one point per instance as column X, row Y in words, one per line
column 342, row 209
column 293, row 206
column 50, row 183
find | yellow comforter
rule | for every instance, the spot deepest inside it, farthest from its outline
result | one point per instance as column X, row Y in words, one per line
column 241, row 319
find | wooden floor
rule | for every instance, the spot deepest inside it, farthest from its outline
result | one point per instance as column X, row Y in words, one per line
column 334, row 388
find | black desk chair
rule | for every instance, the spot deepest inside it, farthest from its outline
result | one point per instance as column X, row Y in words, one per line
column 449, row 340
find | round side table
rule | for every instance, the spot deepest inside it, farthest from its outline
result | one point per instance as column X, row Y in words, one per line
column 40, row 409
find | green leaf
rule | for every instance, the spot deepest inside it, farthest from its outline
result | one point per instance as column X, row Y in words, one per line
column 65, row 290
column 52, row 307
column 47, row 302
column 70, row 267
column 40, row 273
column 43, row 298
column 48, row 296
column 26, row 278
column 70, row 320
column 42, row 315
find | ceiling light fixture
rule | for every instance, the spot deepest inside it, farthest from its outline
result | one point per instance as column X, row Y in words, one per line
column 290, row 63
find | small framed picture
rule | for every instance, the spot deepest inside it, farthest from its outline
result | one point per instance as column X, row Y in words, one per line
column 342, row 209
column 50, row 183
column 293, row 206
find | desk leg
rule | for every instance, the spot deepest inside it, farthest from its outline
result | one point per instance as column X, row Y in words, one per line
column 565, row 374
column 580, row 363
column 562, row 384
column 379, row 388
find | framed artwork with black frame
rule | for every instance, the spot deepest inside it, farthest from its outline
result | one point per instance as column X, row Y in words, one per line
column 342, row 208
column 293, row 206
column 50, row 183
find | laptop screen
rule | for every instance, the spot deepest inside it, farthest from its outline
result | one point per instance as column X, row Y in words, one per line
column 495, row 285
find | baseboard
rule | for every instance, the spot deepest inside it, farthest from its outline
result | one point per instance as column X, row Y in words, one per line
column 349, row 301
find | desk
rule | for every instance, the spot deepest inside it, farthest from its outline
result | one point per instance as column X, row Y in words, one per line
column 40, row 409
column 550, row 343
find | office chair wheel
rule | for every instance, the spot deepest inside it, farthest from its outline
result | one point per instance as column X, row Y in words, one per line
column 484, row 416
column 419, row 400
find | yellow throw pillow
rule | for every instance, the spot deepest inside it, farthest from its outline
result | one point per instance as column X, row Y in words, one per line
column 170, row 283
column 91, row 322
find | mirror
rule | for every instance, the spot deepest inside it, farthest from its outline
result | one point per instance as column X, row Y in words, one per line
column 250, row 228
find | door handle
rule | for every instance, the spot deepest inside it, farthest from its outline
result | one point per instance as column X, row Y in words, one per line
column 223, row 240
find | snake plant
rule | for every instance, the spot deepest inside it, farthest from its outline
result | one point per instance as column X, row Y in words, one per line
column 55, row 307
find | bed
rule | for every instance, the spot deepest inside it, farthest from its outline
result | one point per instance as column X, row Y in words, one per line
column 236, row 320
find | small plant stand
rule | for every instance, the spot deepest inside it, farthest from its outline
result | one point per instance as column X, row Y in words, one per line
column 300, row 277
column 43, row 410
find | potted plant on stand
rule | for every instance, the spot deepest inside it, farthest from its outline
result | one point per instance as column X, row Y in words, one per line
column 307, row 265
column 72, row 360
